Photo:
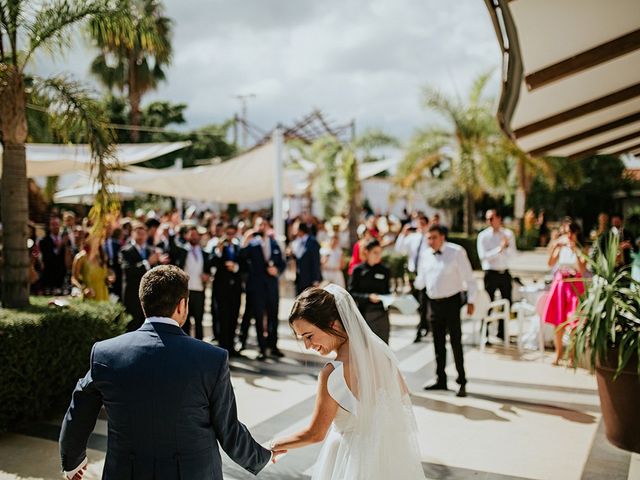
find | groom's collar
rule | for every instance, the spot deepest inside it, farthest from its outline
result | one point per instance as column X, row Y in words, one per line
column 161, row 324
column 168, row 321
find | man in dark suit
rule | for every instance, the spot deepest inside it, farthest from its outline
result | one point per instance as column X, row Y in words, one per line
column 227, row 286
column 306, row 250
column 265, row 264
column 136, row 258
column 54, row 250
column 162, row 423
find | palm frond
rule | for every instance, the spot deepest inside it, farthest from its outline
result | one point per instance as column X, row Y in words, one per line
column 72, row 108
column 52, row 22
column 479, row 84
column 372, row 139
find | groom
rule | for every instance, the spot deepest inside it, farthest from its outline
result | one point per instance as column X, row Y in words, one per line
column 168, row 398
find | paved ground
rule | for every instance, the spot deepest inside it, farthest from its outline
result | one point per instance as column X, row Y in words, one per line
column 523, row 418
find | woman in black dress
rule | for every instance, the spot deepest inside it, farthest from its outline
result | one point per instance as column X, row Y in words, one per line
column 369, row 280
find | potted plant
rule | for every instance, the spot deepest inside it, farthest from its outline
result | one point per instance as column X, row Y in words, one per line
column 607, row 336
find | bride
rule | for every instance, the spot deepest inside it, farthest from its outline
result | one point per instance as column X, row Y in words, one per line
column 363, row 410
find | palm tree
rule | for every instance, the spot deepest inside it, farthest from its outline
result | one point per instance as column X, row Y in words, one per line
column 475, row 154
column 134, row 46
column 25, row 30
column 337, row 167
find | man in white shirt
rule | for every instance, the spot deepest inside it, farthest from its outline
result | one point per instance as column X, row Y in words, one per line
column 496, row 246
column 412, row 242
column 445, row 272
column 197, row 264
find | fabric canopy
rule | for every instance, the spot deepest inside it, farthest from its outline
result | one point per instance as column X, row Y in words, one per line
column 246, row 178
column 85, row 194
column 44, row 159
column 571, row 83
column 249, row 177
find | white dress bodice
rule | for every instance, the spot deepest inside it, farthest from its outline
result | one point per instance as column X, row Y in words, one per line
column 339, row 391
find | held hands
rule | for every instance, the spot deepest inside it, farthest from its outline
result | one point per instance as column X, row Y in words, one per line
column 78, row 475
column 276, row 451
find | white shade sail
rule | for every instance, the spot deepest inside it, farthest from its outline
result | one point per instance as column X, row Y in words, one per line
column 44, row 159
column 249, row 177
column 85, row 194
column 571, row 83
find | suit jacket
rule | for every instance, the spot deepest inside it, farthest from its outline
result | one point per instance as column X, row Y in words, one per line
column 169, row 401
column 133, row 268
column 259, row 282
column 224, row 281
column 308, row 265
column 54, row 268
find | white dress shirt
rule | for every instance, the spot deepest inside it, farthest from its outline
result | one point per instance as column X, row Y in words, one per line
column 167, row 320
column 411, row 245
column 194, row 267
column 446, row 273
column 490, row 251
column 299, row 246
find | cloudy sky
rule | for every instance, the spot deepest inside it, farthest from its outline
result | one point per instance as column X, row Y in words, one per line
column 362, row 59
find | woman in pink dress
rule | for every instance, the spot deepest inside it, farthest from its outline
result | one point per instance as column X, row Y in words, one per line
column 567, row 287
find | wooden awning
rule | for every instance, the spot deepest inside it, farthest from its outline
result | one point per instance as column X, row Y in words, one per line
column 571, row 75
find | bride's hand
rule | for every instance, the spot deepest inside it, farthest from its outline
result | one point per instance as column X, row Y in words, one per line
column 276, row 454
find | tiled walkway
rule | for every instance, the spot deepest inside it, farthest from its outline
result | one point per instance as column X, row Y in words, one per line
column 523, row 418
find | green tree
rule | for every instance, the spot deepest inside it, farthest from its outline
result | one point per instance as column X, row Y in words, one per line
column 470, row 154
column 337, row 175
column 135, row 46
column 24, row 30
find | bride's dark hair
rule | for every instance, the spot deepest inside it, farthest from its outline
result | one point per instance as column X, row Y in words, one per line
column 318, row 307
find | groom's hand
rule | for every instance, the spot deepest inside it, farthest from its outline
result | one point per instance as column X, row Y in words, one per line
column 275, row 454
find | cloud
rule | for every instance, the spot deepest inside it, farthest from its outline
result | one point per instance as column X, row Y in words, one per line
column 362, row 59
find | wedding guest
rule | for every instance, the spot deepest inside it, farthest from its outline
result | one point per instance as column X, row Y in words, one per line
column 412, row 243
column 227, row 287
column 90, row 271
column 368, row 281
column 136, row 258
column 111, row 247
column 306, row 251
column 357, row 255
column 333, row 261
column 435, row 220
column 445, row 271
column 569, row 267
column 152, row 225
column 496, row 246
column 626, row 240
column 54, row 248
column 265, row 264
column 197, row 264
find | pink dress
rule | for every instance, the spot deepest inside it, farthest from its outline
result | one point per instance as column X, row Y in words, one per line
column 566, row 289
column 355, row 257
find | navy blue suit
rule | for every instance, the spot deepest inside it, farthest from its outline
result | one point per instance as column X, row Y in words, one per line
column 262, row 289
column 308, row 265
column 169, row 401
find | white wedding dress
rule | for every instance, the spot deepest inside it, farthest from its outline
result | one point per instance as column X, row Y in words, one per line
column 373, row 436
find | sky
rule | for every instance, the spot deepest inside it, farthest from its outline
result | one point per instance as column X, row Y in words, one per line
column 353, row 59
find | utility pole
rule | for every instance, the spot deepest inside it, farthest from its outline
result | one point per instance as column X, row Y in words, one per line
column 243, row 114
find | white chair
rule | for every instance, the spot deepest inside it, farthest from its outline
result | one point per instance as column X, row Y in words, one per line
column 522, row 309
column 498, row 310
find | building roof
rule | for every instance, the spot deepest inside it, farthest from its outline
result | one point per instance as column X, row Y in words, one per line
column 571, row 75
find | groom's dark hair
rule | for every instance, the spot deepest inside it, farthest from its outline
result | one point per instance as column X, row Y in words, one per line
column 318, row 307
column 161, row 290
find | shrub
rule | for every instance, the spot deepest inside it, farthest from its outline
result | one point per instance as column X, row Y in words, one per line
column 43, row 352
